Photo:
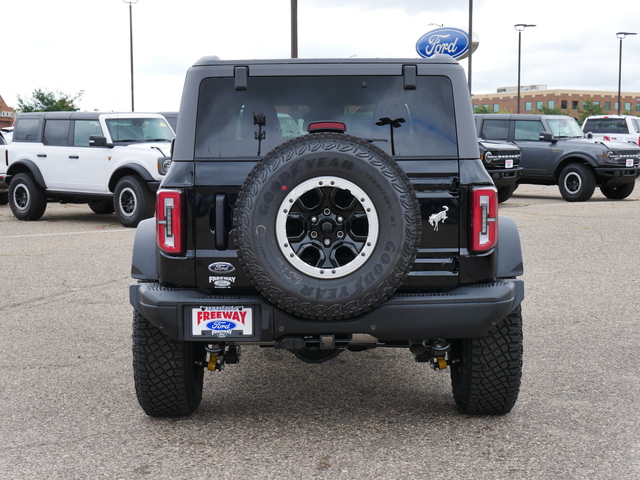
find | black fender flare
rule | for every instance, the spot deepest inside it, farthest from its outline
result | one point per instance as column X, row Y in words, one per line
column 509, row 262
column 144, row 262
column 127, row 169
column 573, row 157
column 27, row 166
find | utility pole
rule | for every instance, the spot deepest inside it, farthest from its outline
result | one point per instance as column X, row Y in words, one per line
column 131, row 2
column 294, row 28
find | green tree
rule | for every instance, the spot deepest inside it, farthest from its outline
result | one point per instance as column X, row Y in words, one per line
column 590, row 108
column 481, row 110
column 45, row 101
column 549, row 111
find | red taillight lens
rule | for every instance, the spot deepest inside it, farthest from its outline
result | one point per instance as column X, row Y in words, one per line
column 484, row 218
column 169, row 221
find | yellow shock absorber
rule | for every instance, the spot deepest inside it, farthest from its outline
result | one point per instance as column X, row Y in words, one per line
column 213, row 362
column 442, row 363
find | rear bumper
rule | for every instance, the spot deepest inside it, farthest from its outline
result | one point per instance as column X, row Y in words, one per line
column 464, row 312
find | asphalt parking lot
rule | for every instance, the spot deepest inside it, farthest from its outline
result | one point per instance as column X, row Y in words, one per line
column 68, row 408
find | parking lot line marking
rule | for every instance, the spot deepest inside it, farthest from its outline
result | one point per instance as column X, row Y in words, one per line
column 65, row 233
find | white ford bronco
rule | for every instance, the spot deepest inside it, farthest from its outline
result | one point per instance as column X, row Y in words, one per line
column 112, row 161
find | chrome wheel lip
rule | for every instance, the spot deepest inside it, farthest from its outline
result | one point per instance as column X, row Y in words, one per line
column 363, row 254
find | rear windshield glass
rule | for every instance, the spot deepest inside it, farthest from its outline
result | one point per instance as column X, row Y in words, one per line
column 249, row 123
column 606, row 125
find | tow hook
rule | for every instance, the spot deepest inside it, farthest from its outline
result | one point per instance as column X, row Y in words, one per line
column 439, row 352
column 219, row 356
column 439, row 363
column 213, row 364
column 433, row 351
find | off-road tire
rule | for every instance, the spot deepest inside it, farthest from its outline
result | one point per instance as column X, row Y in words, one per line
column 504, row 193
column 101, row 208
column 26, row 199
column 168, row 374
column 347, row 180
column 577, row 182
column 618, row 192
column 486, row 371
column 133, row 201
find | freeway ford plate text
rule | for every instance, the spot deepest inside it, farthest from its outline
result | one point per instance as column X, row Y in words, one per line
column 221, row 321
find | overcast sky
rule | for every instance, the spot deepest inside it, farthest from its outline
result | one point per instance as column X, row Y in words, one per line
column 73, row 45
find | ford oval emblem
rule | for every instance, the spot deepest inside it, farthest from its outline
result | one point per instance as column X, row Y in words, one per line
column 221, row 325
column 221, row 267
column 447, row 41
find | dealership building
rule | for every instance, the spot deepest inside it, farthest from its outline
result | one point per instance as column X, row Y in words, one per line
column 6, row 114
column 535, row 97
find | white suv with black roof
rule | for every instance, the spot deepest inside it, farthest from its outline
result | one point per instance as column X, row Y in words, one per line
column 112, row 161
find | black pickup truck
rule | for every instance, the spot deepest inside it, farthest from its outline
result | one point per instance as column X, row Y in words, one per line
column 324, row 206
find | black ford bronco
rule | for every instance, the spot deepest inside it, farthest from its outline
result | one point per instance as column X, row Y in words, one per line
column 320, row 206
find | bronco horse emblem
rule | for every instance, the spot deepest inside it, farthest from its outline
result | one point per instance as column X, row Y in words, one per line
column 436, row 218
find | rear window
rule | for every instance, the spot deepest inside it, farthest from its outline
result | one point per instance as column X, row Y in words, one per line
column 495, row 129
column 26, row 130
column 250, row 123
column 606, row 125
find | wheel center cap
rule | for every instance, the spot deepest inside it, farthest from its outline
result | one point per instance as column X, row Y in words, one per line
column 327, row 227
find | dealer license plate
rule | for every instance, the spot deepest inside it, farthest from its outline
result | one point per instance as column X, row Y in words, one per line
column 508, row 163
column 629, row 162
column 221, row 321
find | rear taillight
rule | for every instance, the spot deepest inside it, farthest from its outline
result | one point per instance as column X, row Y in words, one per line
column 484, row 218
column 170, row 221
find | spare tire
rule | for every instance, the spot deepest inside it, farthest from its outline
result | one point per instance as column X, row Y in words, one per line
column 327, row 226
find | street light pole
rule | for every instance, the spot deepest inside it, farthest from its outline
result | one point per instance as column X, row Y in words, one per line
column 470, row 43
column 294, row 28
column 621, row 36
column 519, row 28
column 131, row 2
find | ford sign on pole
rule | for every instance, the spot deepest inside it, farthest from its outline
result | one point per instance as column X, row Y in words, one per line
column 447, row 41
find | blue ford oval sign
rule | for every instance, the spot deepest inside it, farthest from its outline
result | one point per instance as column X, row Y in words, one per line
column 221, row 325
column 221, row 267
column 447, row 41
